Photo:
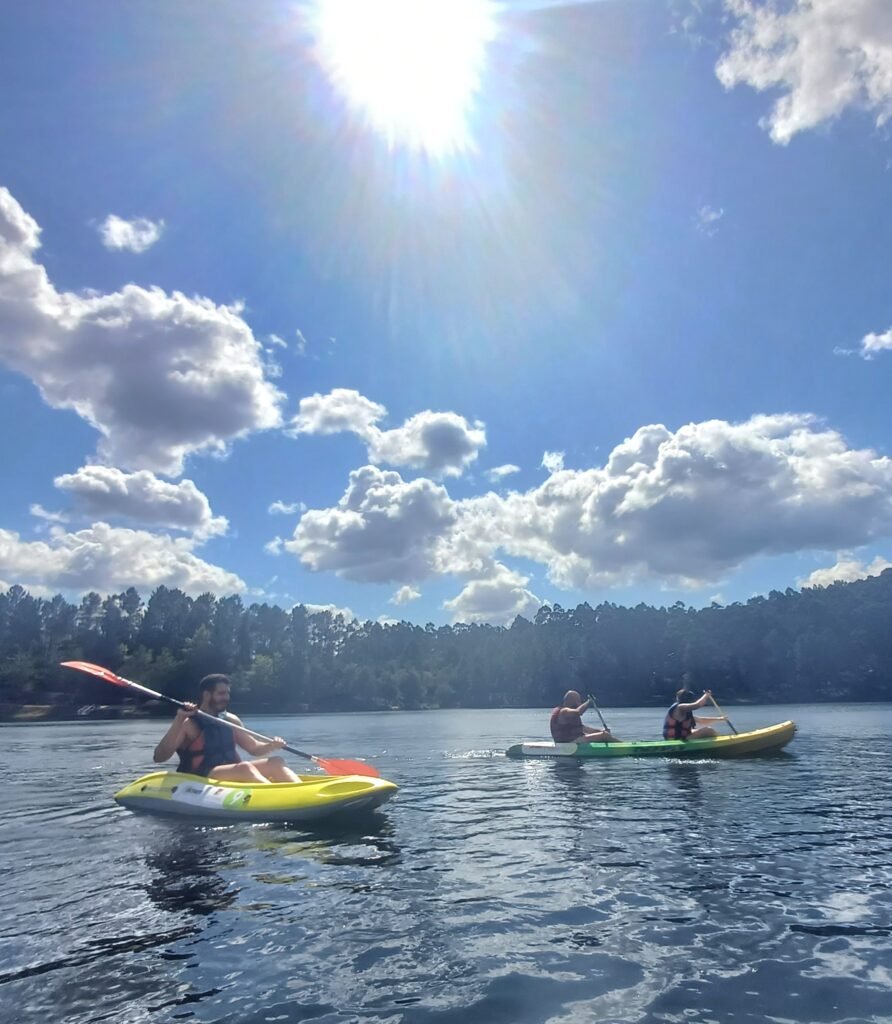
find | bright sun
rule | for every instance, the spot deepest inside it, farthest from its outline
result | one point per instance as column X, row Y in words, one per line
column 412, row 67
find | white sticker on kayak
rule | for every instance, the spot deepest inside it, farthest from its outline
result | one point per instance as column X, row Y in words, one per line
column 209, row 796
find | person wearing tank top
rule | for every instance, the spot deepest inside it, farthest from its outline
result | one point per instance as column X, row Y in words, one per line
column 566, row 722
column 208, row 749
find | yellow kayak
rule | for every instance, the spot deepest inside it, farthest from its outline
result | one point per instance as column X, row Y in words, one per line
column 199, row 799
column 758, row 741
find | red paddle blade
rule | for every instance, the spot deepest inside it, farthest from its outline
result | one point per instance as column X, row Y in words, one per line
column 336, row 766
column 95, row 670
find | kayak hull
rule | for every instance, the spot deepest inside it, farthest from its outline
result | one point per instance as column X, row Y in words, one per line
column 314, row 798
column 744, row 744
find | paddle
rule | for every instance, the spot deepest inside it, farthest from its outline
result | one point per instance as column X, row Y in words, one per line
column 595, row 706
column 331, row 765
column 722, row 713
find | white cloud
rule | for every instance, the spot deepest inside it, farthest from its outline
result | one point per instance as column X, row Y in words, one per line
column 106, row 492
column 341, row 410
column 707, row 220
column 301, row 343
column 498, row 599
column 871, row 344
column 158, row 375
column 404, row 595
column 39, row 512
column 846, row 570
column 274, row 546
column 682, row 508
column 135, row 235
column 498, row 473
column 277, row 342
column 438, row 443
column 107, row 559
column 553, row 461
column 688, row 506
column 280, row 508
column 823, row 56
column 383, row 529
column 315, row 609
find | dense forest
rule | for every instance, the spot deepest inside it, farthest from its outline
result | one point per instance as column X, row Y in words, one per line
column 820, row 644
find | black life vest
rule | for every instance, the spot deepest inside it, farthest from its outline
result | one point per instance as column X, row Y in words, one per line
column 214, row 745
column 675, row 730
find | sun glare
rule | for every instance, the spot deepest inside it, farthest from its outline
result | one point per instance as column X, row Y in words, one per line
column 412, row 68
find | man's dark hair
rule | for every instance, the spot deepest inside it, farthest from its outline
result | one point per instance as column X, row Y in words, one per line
column 211, row 682
column 682, row 697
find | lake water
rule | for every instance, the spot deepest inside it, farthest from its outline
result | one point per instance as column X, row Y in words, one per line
column 489, row 892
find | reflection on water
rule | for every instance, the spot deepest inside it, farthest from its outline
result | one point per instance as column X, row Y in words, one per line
column 490, row 890
column 184, row 870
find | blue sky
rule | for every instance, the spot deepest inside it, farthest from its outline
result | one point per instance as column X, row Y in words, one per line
column 442, row 310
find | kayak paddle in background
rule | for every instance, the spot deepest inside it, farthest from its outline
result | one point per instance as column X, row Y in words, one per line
column 722, row 713
column 595, row 706
column 331, row 765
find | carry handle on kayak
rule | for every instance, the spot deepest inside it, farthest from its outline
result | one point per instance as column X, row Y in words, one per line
column 333, row 766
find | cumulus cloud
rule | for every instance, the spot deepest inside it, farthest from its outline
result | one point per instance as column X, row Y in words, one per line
column 823, row 56
column 274, row 546
column 498, row 599
column 107, row 559
column 404, row 595
column 341, row 410
column 688, row 506
column 106, row 492
column 158, row 375
column 846, row 570
column 498, row 473
column 438, row 443
column 135, row 235
column 681, row 508
column 383, row 529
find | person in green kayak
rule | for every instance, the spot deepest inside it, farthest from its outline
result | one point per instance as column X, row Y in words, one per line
column 681, row 723
column 209, row 749
column 566, row 722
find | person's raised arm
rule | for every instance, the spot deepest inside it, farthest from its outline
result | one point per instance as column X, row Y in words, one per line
column 173, row 739
column 695, row 704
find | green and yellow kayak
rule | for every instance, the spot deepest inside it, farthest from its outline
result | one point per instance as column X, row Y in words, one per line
column 759, row 741
column 199, row 799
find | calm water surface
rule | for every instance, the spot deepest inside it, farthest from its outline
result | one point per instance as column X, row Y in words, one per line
column 489, row 891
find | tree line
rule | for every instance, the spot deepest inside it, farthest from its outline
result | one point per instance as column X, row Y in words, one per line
column 819, row 644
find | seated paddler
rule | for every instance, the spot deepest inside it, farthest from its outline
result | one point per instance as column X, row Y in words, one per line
column 208, row 748
column 567, row 725
column 682, row 724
